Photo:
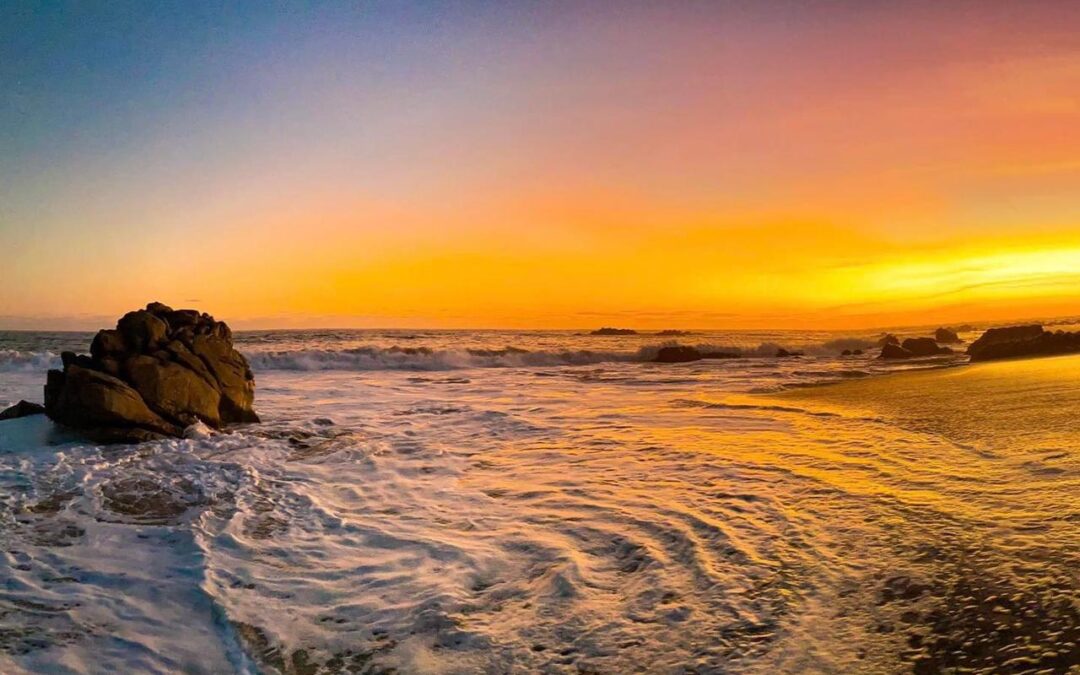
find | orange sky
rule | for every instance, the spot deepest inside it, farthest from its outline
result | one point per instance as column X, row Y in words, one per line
column 796, row 165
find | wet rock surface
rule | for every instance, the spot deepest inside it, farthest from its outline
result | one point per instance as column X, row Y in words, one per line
column 159, row 371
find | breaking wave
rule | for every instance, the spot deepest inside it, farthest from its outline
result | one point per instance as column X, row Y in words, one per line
column 424, row 358
column 14, row 360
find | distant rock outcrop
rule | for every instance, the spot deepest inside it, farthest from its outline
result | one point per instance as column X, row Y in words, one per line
column 613, row 331
column 21, row 409
column 946, row 336
column 1019, row 341
column 924, row 347
column 158, row 371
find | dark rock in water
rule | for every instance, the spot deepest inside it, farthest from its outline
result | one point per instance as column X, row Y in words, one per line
column 22, row 409
column 1019, row 341
column 159, row 371
column 888, row 339
column 894, row 351
column 613, row 331
column 783, row 353
column 846, row 352
column 924, row 347
column 677, row 354
column 946, row 336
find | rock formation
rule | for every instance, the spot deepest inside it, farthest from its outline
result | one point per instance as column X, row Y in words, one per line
column 157, row 372
column 613, row 331
column 1017, row 341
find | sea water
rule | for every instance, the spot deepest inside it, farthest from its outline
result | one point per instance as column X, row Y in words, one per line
column 498, row 502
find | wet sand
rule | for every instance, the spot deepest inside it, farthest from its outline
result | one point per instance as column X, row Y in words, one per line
column 1001, row 593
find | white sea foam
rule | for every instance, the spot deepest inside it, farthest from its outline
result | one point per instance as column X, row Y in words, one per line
column 551, row 515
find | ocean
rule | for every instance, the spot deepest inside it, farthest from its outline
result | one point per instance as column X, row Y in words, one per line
column 554, row 502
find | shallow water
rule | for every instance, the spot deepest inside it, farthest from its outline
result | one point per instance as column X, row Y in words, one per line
column 567, row 508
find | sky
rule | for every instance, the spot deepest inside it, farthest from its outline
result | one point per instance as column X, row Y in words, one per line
column 540, row 164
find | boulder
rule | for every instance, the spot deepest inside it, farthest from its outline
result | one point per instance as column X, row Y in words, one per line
column 107, row 343
column 1020, row 341
column 946, row 336
column 22, row 409
column 142, row 330
column 924, row 347
column 894, row 351
column 159, row 371
column 95, row 402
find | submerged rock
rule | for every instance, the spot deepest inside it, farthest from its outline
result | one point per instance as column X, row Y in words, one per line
column 783, row 353
column 160, row 371
column 1019, row 341
column 946, row 336
column 22, row 409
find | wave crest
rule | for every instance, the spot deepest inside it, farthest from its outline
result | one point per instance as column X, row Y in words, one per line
column 14, row 360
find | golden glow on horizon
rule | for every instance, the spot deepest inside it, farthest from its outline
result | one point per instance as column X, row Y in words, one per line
column 880, row 167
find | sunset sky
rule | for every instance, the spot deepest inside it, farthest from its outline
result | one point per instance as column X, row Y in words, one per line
column 551, row 165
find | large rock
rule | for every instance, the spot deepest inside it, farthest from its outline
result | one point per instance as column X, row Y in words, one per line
column 1020, row 341
column 159, row 371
